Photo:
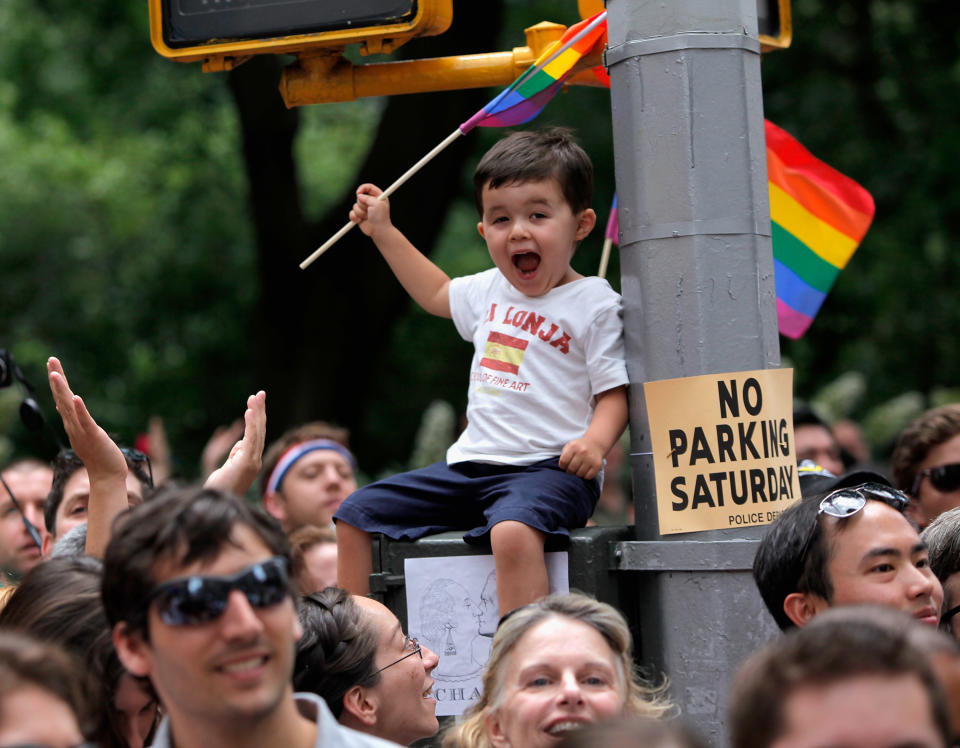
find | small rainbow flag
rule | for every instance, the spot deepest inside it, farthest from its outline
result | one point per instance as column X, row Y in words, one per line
column 818, row 216
column 528, row 95
column 613, row 223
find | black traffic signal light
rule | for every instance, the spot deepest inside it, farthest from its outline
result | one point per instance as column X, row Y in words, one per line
column 190, row 30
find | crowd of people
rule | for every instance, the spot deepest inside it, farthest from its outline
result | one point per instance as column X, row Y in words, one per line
column 137, row 611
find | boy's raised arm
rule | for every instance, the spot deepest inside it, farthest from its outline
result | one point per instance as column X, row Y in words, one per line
column 427, row 284
column 584, row 456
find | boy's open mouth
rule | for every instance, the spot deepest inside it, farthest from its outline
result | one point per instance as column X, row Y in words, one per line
column 526, row 262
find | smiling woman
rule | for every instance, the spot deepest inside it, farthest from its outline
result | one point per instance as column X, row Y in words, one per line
column 557, row 665
column 374, row 678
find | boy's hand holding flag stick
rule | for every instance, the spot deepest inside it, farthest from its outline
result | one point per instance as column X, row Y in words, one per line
column 519, row 103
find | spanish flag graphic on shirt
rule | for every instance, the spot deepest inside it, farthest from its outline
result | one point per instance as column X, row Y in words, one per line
column 503, row 353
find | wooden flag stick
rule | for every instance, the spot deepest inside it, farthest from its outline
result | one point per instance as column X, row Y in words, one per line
column 385, row 194
column 604, row 258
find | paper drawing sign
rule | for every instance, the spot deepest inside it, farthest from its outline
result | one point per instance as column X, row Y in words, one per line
column 452, row 609
column 723, row 451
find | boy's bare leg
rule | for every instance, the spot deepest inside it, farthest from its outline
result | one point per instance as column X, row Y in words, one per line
column 520, row 564
column 354, row 559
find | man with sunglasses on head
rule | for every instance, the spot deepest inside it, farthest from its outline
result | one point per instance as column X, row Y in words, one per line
column 66, row 505
column 926, row 463
column 197, row 591
column 847, row 542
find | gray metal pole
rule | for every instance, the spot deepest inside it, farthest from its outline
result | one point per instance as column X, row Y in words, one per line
column 699, row 298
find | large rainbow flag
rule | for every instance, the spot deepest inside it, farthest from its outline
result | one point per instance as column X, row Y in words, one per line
column 818, row 217
column 528, row 95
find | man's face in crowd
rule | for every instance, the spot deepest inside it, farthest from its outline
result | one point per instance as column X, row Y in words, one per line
column 315, row 487
column 76, row 496
column 320, row 572
column 930, row 502
column 815, row 442
column 877, row 557
column 30, row 484
column 868, row 711
column 232, row 669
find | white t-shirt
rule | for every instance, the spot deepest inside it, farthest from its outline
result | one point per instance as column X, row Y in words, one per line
column 538, row 364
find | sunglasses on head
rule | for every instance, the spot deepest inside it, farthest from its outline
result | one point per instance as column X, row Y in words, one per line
column 199, row 599
column 943, row 477
column 845, row 502
column 134, row 456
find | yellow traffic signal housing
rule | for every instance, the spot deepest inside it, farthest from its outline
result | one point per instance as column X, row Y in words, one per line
column 776, row 26
column 773, row 20
column 193, row 30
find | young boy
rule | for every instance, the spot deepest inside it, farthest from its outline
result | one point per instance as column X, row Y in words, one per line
column 548, row 381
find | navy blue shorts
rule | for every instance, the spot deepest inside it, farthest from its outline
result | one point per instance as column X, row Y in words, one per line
column 472, row 496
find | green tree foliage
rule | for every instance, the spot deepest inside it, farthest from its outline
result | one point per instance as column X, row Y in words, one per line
column 870, row 87
column 123, row 244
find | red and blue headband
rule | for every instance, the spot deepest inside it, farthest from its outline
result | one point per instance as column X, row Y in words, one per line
column 289, row 458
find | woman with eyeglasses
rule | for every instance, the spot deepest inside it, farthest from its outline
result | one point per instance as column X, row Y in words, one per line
column 374, row 678
column 556, row 666
column 41, row 700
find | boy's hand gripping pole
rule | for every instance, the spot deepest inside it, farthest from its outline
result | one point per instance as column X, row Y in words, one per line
column 385, row 194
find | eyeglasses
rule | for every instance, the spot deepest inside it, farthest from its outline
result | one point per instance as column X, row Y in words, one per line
column 134, row 456
column 407, row 642
column 191, row 600
column 943, row 477
column 845, row 502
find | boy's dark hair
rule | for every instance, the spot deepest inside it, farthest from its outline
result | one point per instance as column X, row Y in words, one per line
column 182, row 525
column 823, row 653
column 534, row 155
column 66, row 464
column 337, row 649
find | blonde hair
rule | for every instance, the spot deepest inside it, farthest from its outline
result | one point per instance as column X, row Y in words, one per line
column 640, row 698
